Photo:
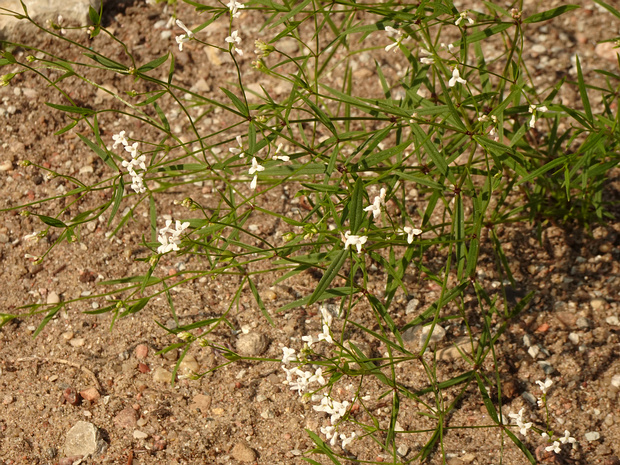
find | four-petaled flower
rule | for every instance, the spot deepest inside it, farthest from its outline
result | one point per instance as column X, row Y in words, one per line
column 289, row 355
column 234, row 8
column 411, row 233
column 183, row 38
column 463, row 16
column 555, row 447
column 346, row 441
column 568, row 439
column 235, row 40
column 237, row 150
column 254, row 169
column 544, row 386
column 518, row 417
column 352, row 239
column 280, row 157
column 456, row 77
column 119, row 139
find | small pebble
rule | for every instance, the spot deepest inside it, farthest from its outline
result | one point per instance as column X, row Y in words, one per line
column 77, row 342
column 530, row 398
column 243, row 452
column 592, row 436
column 188, row 366
column 612, row 320
column 53, row 298
column 139, row 435
column 252, row 344
column 142, row 351
column 574, row 338
column 615, row 380
column 90, row 394
column 6, row 400
column 126, row 418
column 583, row 323
column 597, row 304
column 162, row 375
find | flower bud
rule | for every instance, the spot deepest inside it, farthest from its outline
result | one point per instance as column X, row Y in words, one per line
column 263, row 49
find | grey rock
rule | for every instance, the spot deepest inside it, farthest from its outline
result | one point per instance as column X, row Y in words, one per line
column 252, row 344
column 84, row 439
column 74, row 12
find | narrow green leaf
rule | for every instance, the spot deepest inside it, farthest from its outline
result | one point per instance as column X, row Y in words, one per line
column 71, row 109
column 237, row 102
column 356, row 206
column 546, row 15
column 103, row 154
column 153, row 64
column 139, row 305
column 53, row 222
column 153, row 217
column 107, row 62
column 583, row 91
column 119, row 191
column 329, row 275
column 488, row 403
column 259, row 301
column 608, row 7
column 68, row 127
column 50, row 314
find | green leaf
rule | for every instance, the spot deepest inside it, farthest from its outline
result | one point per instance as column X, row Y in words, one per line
column 608, row 7
column 53, row 222
column 68, row 127
column 329, row 275
column 139, row 305
column 356, row 206
column 93, row 15
column 259, row 301
column 103, row 154
column 50, row 314
column 153, row 64
column 546, row 15
column 583, row 92
column 486, row 399
column 107, row 62
column 71, row 109
column 118, row 197
column 243, row 109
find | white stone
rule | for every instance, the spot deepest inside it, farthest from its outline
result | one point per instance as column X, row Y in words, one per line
column 592, row 436
column 574, row 338
column 533, row 351
column 137, row 434
column 615, row 381
column 612, row 320
column 84, row 439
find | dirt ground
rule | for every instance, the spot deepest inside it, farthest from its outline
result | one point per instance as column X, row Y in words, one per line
column 243, row 412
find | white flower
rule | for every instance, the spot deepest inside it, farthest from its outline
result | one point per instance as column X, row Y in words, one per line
column 308, row 340
column 119, row 139
column 555, row 447
column 411, row 233
column 518, row 417
column 568, row 439
column 183, row 38
column 346, row 441
column 330, row 433
column 326, row 315
column 289, row 355
column 132, row 149
column 235, row 40
column 397, row 34
column 171, row 242
column 352, row 239
column 534, row 110
column 463, row 16
column 456, row 77
column 280, row 157
column 317, row 377
column 427, row 61
column 234, row 8
column 325, row 335
column 237, row 150
column 544, row 386
column 375, row 207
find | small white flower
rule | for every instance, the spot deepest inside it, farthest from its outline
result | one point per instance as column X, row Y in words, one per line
column 119, row 139
column 254, row 169
column 289, row 355
column 234, row 8
column 411, row 233
column 534, row 110
column 544, row 386
column 352, row 239
column 132, row 149
column 568, row 439
column 280, row 157
column 183, row 38
column 326, row 315
column 235, row 40
column 172, row 242
column 308, row 340
column 325, row 335
column 375, row 208
column 346, row 441
column 427, row 60
column 237, row 150
column 330, row 433
column 463, row 16
column 456, row 77
column 555, row 447
column 317, row 377
column 397, row 34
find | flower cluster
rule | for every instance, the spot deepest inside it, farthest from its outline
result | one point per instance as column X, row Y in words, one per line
column 234, row 40
column 518, row 418
column 136, row 161
column 395, row 33
column 234, row 6
column 170, row 238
